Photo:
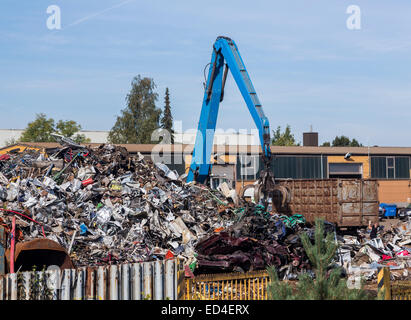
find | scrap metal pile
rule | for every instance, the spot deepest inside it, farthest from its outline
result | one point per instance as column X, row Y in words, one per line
column 361, row 256
column 105, row 206
column 255, row 241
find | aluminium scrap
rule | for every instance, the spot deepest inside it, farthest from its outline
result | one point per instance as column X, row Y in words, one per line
column 107, row 206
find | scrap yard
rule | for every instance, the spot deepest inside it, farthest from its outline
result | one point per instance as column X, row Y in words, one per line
column 198, row 154
column 88, row 207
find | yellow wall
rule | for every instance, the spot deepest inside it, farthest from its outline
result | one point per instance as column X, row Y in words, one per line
column 354, row 159
column 391, row 191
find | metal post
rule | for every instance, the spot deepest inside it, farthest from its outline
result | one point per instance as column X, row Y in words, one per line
column 2, row 251
column 384, row 283
column 180, row 281
column 13, row 241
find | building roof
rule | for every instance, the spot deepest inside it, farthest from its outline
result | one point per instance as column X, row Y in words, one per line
column 242, row 149
column 342, row 150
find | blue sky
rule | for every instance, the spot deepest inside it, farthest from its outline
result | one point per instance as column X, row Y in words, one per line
column 308, row 68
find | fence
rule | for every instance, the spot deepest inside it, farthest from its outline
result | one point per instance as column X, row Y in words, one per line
column 400, row 290
column 229, row 286
column 157, row 280
column 253, row 286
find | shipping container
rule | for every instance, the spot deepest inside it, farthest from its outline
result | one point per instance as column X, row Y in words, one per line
column 344, row 202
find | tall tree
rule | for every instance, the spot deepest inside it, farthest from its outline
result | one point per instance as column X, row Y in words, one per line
column 167, row 118
column 283, row 139
column 140, row 117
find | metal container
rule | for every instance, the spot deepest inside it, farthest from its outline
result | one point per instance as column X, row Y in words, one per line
column 345, row 202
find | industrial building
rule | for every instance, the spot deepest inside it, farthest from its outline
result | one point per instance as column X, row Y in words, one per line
column 240, row 165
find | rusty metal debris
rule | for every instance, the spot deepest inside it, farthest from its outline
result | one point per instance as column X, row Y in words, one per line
column 105, row 206
column 257, row 240
column 362, row 256
column 40, row 253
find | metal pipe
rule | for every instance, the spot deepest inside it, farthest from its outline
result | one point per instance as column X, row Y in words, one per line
column 58, row 174
column 72, row 241
column 13, row 242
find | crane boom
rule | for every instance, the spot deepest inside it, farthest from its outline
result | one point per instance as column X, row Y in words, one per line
column 225, row 50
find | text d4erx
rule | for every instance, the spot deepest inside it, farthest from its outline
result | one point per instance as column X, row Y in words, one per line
column 230, row 309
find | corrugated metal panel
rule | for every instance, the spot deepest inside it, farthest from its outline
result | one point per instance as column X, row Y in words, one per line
column 2, row 250
column 148, row 280
column 345, row 202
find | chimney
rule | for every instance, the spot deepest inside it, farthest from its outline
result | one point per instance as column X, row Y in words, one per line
column 310, row 139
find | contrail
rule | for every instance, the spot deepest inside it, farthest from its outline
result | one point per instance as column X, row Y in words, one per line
column 98, row 13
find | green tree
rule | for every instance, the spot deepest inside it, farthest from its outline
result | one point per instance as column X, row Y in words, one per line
column 69, row 128
column 39, row 130
column 326, row 144
column 355, row 143
column 327, row 285
column 343, row 141
column 140, row 117
column 283, row 139
column 167, row 118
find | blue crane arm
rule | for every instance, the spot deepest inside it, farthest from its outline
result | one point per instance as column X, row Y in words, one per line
column 225, row 49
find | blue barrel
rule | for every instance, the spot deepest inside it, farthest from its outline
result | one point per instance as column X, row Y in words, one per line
column 390, row 210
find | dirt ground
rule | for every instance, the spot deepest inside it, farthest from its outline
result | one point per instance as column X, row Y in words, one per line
column 387, row 223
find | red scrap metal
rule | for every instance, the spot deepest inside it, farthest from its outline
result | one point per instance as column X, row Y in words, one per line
column 11, row 211
column 4, row 157
column 87, row 182
column 169, row 255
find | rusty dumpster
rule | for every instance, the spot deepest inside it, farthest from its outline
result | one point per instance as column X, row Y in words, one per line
column 39, row 252
column 345, row 202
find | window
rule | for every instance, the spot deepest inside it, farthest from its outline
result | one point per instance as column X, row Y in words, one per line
column 299, row 167
column 390, row 167
column 284, row 167
column 345, row 169
column 402, row 167
column 378, row 167
column 248, row 167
